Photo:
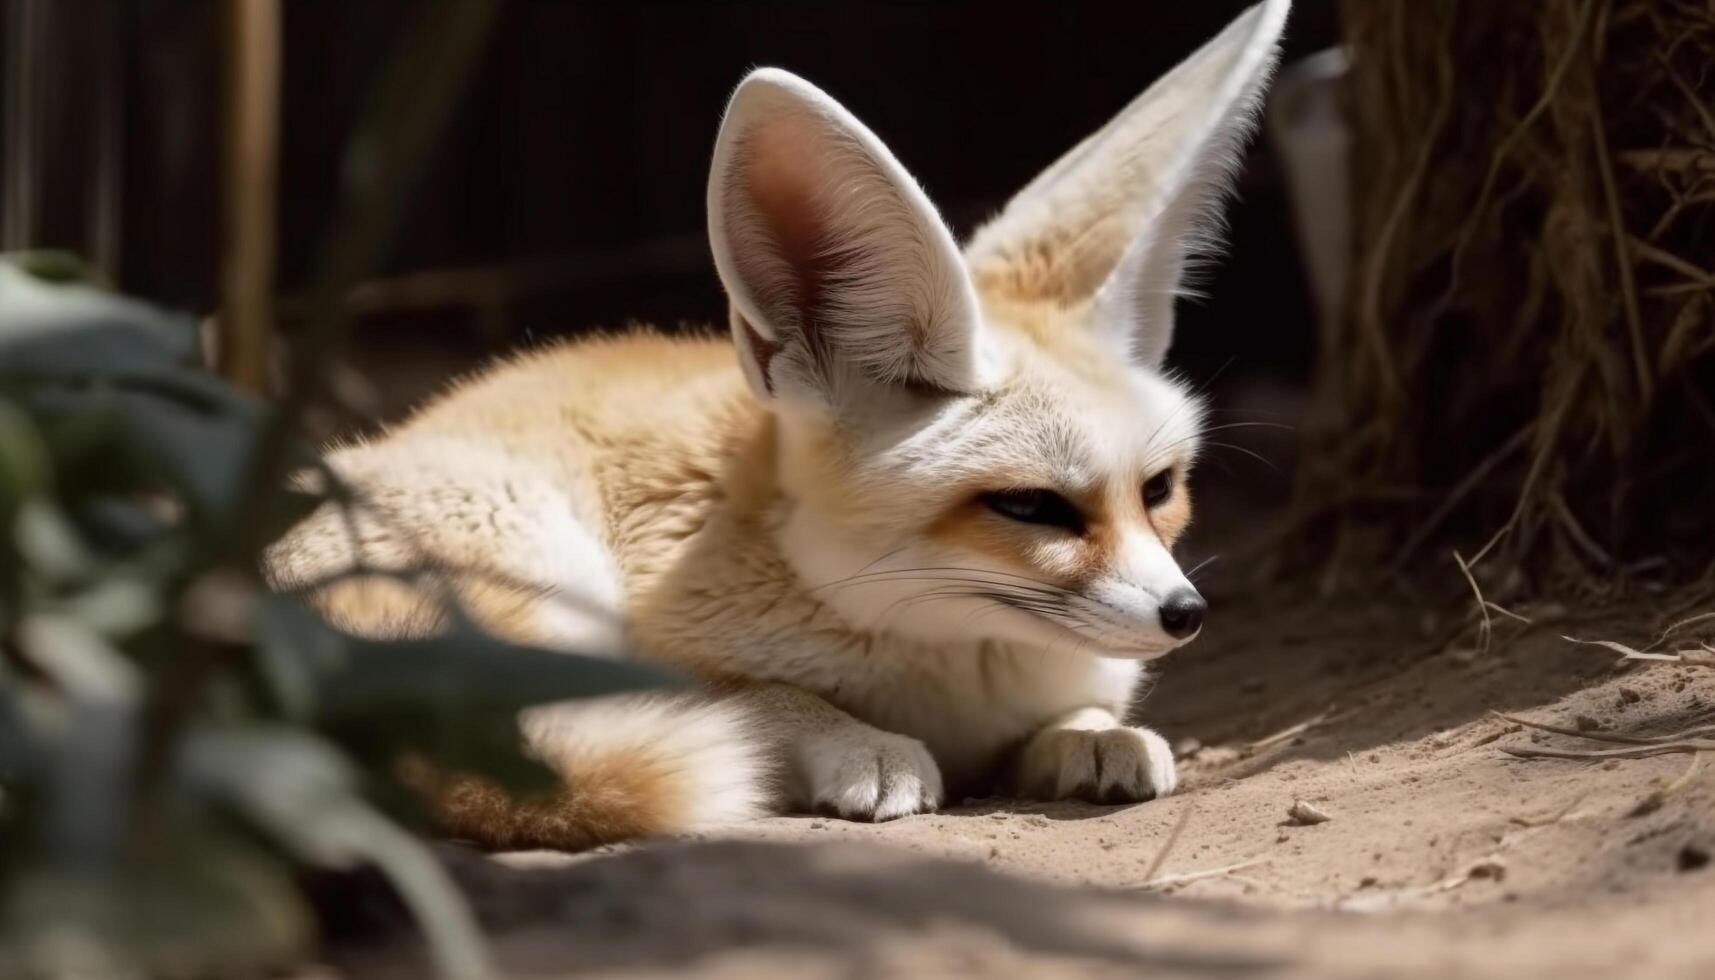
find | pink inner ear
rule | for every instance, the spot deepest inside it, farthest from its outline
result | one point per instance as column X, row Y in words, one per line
column 779, row 158
column 828, row 244
column 779, row 161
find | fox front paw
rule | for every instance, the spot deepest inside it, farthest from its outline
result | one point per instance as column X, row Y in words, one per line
column 869, row 776
column 1108, row 765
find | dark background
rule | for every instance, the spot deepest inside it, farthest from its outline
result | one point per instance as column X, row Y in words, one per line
column 571, row 180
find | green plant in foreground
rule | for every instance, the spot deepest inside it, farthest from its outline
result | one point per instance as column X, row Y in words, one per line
column 175, row 741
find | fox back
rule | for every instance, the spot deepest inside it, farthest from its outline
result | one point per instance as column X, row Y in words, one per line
column 919, row 512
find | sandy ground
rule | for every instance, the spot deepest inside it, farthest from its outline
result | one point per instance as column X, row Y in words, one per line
column 1444, row 856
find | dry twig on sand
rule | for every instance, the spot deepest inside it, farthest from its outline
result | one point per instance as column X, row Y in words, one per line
column 1638, row 752
column 1168, row 881
column 1642, row 746
column 1289, row 733
column 1153, row 879
column 1160, row 858
column 1701, row 656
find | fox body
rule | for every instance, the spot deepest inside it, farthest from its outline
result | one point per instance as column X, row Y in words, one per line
column 912, row 525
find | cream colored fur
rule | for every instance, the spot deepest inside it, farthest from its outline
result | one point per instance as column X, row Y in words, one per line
column 810, row 522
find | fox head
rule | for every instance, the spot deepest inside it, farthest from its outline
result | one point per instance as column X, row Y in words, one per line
column 981, row 443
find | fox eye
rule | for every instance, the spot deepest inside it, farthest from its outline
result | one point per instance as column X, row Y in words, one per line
column 1036, row 507
column 1157, row 489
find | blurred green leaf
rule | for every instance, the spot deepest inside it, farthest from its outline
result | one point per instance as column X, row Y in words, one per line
column 116, row 607
column 82, row 743
column 13, row 756
column 24, row 461
column 291, row 784
column 296, row 652
column 117, row 525
column 55, row 266
column 62, row 330
column 203, row 454
column 303, row 794
column 206, row 456
column 77, row 659
column 465, row 668
column 207, row 904
column 49, row 544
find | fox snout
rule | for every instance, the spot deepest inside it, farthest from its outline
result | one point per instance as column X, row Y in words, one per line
column 1129, row 620
column 1143, row 605
column 1181, row 613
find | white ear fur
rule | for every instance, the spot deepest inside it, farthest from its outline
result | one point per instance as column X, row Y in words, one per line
column 840, row 273
column 1115, row 221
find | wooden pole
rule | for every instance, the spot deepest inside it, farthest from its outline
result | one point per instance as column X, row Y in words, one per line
column 252, row 138
column 18, row 167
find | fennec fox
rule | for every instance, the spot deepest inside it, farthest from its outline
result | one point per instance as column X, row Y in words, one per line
column 912, row 527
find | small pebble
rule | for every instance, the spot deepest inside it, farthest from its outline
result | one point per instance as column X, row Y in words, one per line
column 1693, row 857
column 1305, row 814
column 1492, row 868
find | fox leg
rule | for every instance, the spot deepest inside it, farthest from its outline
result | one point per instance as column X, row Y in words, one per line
column 1089, row 754
column 837, row 764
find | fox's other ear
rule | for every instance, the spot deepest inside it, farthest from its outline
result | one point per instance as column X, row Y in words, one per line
column 841, row 275
column 1114, row 221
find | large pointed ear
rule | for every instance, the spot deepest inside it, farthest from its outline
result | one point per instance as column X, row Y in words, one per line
column 841, row 276
column 1113, row 222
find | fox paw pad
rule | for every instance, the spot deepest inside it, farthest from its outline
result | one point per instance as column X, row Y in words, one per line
column 871, row 777
column 1112, row 765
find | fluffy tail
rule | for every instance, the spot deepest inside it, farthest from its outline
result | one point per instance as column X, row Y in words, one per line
column 641, row 765
column 631, row 766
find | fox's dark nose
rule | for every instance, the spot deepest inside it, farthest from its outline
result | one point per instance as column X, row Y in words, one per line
column 1182, row 613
